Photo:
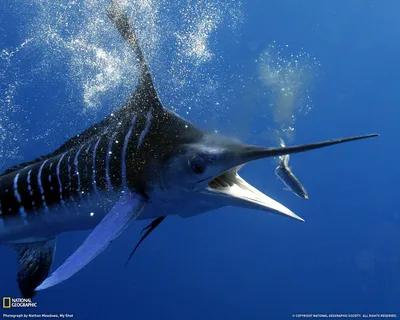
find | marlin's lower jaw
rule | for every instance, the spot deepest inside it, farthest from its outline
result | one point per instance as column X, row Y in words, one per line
column 240, row 193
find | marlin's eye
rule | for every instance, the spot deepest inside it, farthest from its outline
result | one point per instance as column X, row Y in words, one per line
column 197, row 164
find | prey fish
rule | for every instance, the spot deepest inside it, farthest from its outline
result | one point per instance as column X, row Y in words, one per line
column 284, row 172
column 141, row 162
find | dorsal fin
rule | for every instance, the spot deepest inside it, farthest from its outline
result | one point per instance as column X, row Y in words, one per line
column 143, row 98
column 125, row 28
column 23, row 165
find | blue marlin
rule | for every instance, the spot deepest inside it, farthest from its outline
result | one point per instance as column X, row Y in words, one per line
column 284, row 172
column 141, row 162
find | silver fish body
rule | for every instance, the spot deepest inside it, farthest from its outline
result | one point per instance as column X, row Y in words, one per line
column 285, row 174
column 291, row 182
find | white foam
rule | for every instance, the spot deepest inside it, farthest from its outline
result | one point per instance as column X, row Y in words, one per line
column 10, row 83
column 77, row 35
column 289, row 76
column 193, row 67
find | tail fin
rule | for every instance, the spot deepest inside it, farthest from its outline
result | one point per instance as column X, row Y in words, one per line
column 284, row 159
column 35, row 260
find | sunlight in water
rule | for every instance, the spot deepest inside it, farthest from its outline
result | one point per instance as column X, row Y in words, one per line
column 288, row 76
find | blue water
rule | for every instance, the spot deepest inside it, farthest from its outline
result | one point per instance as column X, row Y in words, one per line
column 235, row 263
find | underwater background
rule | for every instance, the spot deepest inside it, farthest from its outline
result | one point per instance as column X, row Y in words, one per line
column 256, row 70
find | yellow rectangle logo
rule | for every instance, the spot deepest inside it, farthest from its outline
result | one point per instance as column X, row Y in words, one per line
column 6, row 302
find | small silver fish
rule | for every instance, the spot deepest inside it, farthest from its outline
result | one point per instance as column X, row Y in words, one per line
column 284, row 173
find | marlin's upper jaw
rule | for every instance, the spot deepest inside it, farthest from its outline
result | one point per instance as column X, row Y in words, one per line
column 239, row 192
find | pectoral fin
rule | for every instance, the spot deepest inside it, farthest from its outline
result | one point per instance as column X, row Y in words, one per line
column 124, row 212
column 154, row 224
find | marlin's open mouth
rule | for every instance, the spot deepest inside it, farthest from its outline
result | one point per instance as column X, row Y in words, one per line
column 240, row 193
column 231, row 185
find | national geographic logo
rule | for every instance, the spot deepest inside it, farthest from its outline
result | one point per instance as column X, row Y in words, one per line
column 9, row 303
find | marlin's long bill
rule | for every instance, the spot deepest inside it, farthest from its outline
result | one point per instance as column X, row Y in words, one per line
column 255, row 153
column 141, row 162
